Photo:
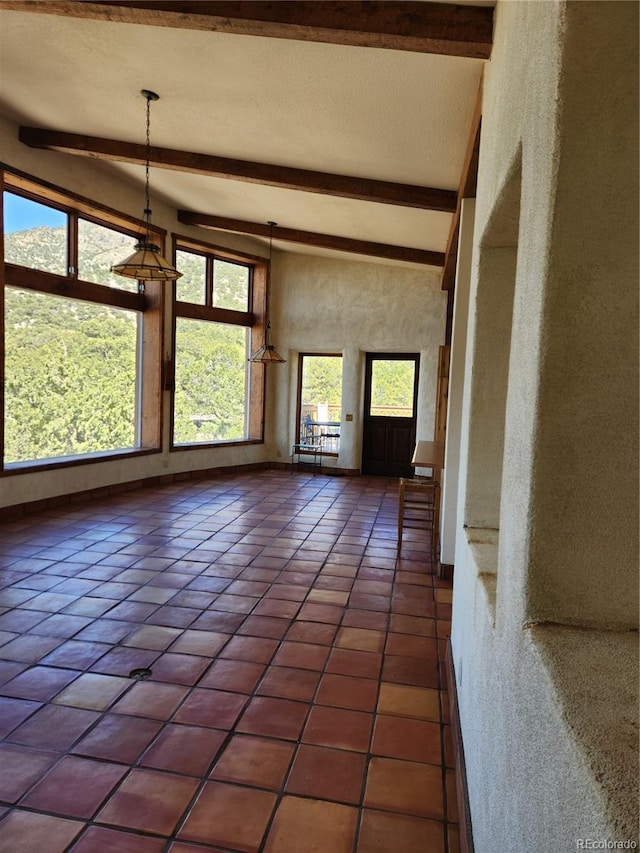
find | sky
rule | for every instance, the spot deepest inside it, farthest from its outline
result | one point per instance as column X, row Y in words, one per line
column 20, row 214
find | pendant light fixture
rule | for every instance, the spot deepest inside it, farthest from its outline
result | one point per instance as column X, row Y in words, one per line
column 147, row 262
column 268, row 354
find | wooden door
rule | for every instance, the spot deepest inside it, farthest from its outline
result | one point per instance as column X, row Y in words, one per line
column 390, row 405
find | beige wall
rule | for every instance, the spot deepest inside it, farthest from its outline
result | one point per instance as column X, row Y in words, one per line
column 546, row 663
column 348, row 307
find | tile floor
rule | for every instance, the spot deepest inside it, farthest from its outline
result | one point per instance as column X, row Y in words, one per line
column 296, row 699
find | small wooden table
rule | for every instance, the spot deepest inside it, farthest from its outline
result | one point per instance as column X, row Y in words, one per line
column 429, row 454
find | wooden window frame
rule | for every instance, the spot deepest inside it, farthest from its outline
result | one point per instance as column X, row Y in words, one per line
column 149, row 302
column 253, row 319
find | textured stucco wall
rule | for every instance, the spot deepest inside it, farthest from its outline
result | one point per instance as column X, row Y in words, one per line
column 560, row 102
column 323, row 305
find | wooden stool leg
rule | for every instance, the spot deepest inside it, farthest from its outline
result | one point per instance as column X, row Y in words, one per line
column 400, row 514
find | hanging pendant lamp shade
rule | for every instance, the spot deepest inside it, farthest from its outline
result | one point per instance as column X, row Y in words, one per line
column 147, row 263
column 267, row 354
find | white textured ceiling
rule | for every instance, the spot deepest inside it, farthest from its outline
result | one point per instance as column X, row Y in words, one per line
column 388, row 115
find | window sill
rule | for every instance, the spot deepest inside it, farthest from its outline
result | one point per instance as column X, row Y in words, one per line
column 207, row 445
column 483, row 548
column 13, row 468
column 594, row 676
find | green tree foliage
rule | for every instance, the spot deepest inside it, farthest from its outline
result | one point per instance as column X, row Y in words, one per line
column 210, row 387
column 70, row 377
column 70, row 366
column 392, row 387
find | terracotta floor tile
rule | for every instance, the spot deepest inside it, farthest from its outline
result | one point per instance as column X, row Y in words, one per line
column 310, row 826
column 21, row 767
column 76, row 787
column 286, row 592
column 233, row 592
column 149, row 800
column 399, row 737
column 179, row 669
column 317, row 633
column 328, row 596
column 218, row 709
column 416, row 625
column 118, row 738
column 229, row 816
column 30, row 648
column 234, row 675
column 403, row 701
column 93, row 691
column 254, row 761
column 321, row 613
column 264, row 626
column 99, row 839
column 218, row 620
column 149, row 699
column 256, row 649
column 234, row 603
column 403, row 670
column 327, row 774
column 13, row 712
column 204, row 643
column 362, row 601
column 284, row 682
column 381, row 832
column 338, row 728
column 122, row 661
column 75, row 654
column 301, row 655
column 276, row 607
column 26, row 832
column 61, row 625
column 279, row 718
column 360, row 639
column 352, row 662
column 106, row 631
column 404, row 786
column 342, row 691
column 54, row 727
column 184, row 749
column 9, row 669
column 369, row 619
column 152, row 637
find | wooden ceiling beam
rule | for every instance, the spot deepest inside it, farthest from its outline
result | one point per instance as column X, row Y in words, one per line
column 311, row 238
column 441, row 28
column 467, row 189
column 305, row 180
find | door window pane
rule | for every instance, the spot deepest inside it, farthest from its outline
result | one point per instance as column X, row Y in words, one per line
column 98, row 248
column 192, row 287
column 230, row 285
column 210, row 382
column 70, row 377
column 392, row 384
column 320, row 396
column 35, row 235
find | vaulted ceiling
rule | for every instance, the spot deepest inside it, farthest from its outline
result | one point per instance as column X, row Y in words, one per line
column 353, row 125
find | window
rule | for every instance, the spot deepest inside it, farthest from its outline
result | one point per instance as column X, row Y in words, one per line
column 392, row 391
column 320, row 401
column 219, row 309
column 82, row 347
